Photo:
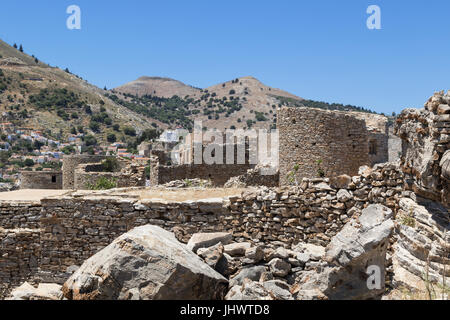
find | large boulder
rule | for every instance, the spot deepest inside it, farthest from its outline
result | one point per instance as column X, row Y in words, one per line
column 353, row 257
column 147, row 263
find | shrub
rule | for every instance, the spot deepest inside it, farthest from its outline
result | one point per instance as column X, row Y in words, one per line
column 111, row 138
column 29, row 162
column 129, row 131
column 110, row 164
column 103, row 183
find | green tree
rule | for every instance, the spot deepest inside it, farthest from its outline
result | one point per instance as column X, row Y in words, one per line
column 129, row 131
column 90, row 140
column 29, row 162
column 111, row 138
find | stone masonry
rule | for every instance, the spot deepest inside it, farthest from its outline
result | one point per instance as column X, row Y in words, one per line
column 73, row 227
column 320, row 143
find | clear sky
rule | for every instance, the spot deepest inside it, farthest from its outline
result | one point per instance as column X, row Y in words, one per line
column 319, row 49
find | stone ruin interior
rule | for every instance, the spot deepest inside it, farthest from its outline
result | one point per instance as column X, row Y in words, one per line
column 355, row 209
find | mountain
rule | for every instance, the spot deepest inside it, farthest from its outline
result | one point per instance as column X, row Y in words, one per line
column 241, row 103
column 157, row 86
column 37, row 96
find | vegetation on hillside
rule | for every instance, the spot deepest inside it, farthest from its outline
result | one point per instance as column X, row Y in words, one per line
column 321, row 105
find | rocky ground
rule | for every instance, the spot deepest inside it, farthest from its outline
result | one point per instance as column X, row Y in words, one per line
column 149, row 263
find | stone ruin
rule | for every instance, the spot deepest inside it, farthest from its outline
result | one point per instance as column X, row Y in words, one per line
column 82, row 172
column 311, row 240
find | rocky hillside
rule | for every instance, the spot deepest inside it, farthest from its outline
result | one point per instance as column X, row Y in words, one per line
column 37, row 96
column 240, row 103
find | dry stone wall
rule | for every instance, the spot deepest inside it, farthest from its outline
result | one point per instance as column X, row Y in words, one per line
column 70, row 164
column 320, row 143
column 75, row 226
column 20, row 257
column 130, row 176
column 20, row 214
column 218, row 174
column 41, row 180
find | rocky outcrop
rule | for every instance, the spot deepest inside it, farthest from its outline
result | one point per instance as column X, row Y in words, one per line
column 426, row 141
column 422, row 250
column 147, row 263
column 352, row 255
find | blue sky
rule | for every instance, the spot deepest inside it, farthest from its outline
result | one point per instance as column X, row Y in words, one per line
column 319, row 49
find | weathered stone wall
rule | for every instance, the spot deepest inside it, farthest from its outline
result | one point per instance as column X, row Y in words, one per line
column 320, row 142
column 219, row 174
column 86, row 176
column 378, row 147
column 20, row 257
column 17, row 214
column 74, row 227
column 71, row 162
column 259, row 176
column 426, row 141
column 41, row 180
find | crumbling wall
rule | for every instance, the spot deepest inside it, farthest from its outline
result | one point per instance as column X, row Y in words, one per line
column 87, row 175
column 70, row 163
column 378, row 147
column 426, row 141
column 320, row 143
column 259, row 176
column 74, row 227
column 41, row 180
column 218, row 174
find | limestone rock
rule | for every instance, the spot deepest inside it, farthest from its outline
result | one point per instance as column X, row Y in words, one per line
column 343, row 196
column 254, row 255
column 253, row 273
column 44, row 291
column 279, row 290
column 237, row 249
column 315, row 252
column 341, row 182
column 249, row 290
column 279, row 268
column 361, row 244
column 147, row 263
column 214, row 257
column 206, row 240
column 24, row 292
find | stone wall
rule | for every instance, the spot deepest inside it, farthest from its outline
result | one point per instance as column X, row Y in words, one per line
column 76, row 226
column 219, row 174
column 20, row 214
column 86, row 176
column 378, row 147
column 20, row 257
column 259, row 176
column 320, row 142
column 71, row 162
column 41, row 180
